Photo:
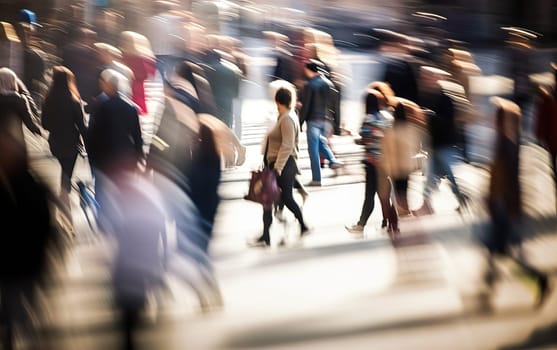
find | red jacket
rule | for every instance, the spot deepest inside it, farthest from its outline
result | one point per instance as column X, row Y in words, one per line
column 142, row 68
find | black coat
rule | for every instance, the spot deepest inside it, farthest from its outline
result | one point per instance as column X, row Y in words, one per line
column 441, row 124
column 26, row 228
column 401, row 77
column 114, row 137
column 63, row 117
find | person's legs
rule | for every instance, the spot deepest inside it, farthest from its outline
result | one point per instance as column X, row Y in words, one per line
column 384, row 188
column 432, row 179
column 371, row 189
column 313, row 139
column 401, row 192
column 267, row 222
column 325, row 150
column 445, row 163
column 286, row 182
column 67, row 164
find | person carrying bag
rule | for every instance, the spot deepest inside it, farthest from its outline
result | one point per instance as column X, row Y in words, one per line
column 280, row 159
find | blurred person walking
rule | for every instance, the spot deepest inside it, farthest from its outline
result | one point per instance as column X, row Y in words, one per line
column 281, row 154
column 34, row 59
column 11, row 49
column 442, row 132
column 164, row 33
column 114, row 142
column 185, row 149
column 14, row 107
column 138, row 56
column 402, row 145
column 315, row 95
column 27, row 229
column 504, row 200
column 62, row 116
column 546, row 123
column 224, row 77
column 81, row 58
column 135, row 212
column 376, row 123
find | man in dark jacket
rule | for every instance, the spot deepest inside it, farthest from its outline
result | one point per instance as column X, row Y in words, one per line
column 315, row 96
column 442, row 133
column 82, row 59
column 224, row 78
column 114, row 142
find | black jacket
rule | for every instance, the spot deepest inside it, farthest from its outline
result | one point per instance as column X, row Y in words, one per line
column 26, row 228
column 63, row 117
column 114, row 137
column 315, row 97
column 441, row 124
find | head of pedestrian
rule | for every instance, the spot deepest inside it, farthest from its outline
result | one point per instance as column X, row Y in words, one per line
column 507, row 118
column 108, row 53
column 388, row 95
column 283, row 99
column 63, row 83
column 312, row 68
column 374, row 101
column 8, row 81
column 430, row 77
column 113, row 83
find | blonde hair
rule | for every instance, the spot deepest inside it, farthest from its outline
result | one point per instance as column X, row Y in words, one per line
column 136, row 44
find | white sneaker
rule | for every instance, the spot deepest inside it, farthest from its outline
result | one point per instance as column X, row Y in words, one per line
column 357, row 228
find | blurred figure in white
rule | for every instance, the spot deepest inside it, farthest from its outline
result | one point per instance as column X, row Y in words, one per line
column 164, row 33
column 136, row 220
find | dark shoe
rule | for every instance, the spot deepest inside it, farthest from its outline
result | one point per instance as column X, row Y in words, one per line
column 261, row 242
column 305, row 231
column 384, row 223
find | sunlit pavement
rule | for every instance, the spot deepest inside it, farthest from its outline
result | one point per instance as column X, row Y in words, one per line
column 331, row 289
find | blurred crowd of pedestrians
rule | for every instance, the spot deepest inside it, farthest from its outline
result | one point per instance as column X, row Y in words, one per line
column 82, row 87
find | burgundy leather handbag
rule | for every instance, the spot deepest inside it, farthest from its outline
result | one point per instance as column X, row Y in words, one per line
column 263, row 185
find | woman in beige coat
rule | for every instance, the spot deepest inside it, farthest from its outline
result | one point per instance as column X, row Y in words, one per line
column 281, row 154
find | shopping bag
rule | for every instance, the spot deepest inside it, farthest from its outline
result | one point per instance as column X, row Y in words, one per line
column 263, row 187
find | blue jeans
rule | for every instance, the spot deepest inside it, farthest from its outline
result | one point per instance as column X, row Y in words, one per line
column 316, row 144
column 440, row 164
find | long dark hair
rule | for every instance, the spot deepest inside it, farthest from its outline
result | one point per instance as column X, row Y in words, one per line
column 63, row 86
column 371, row 102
